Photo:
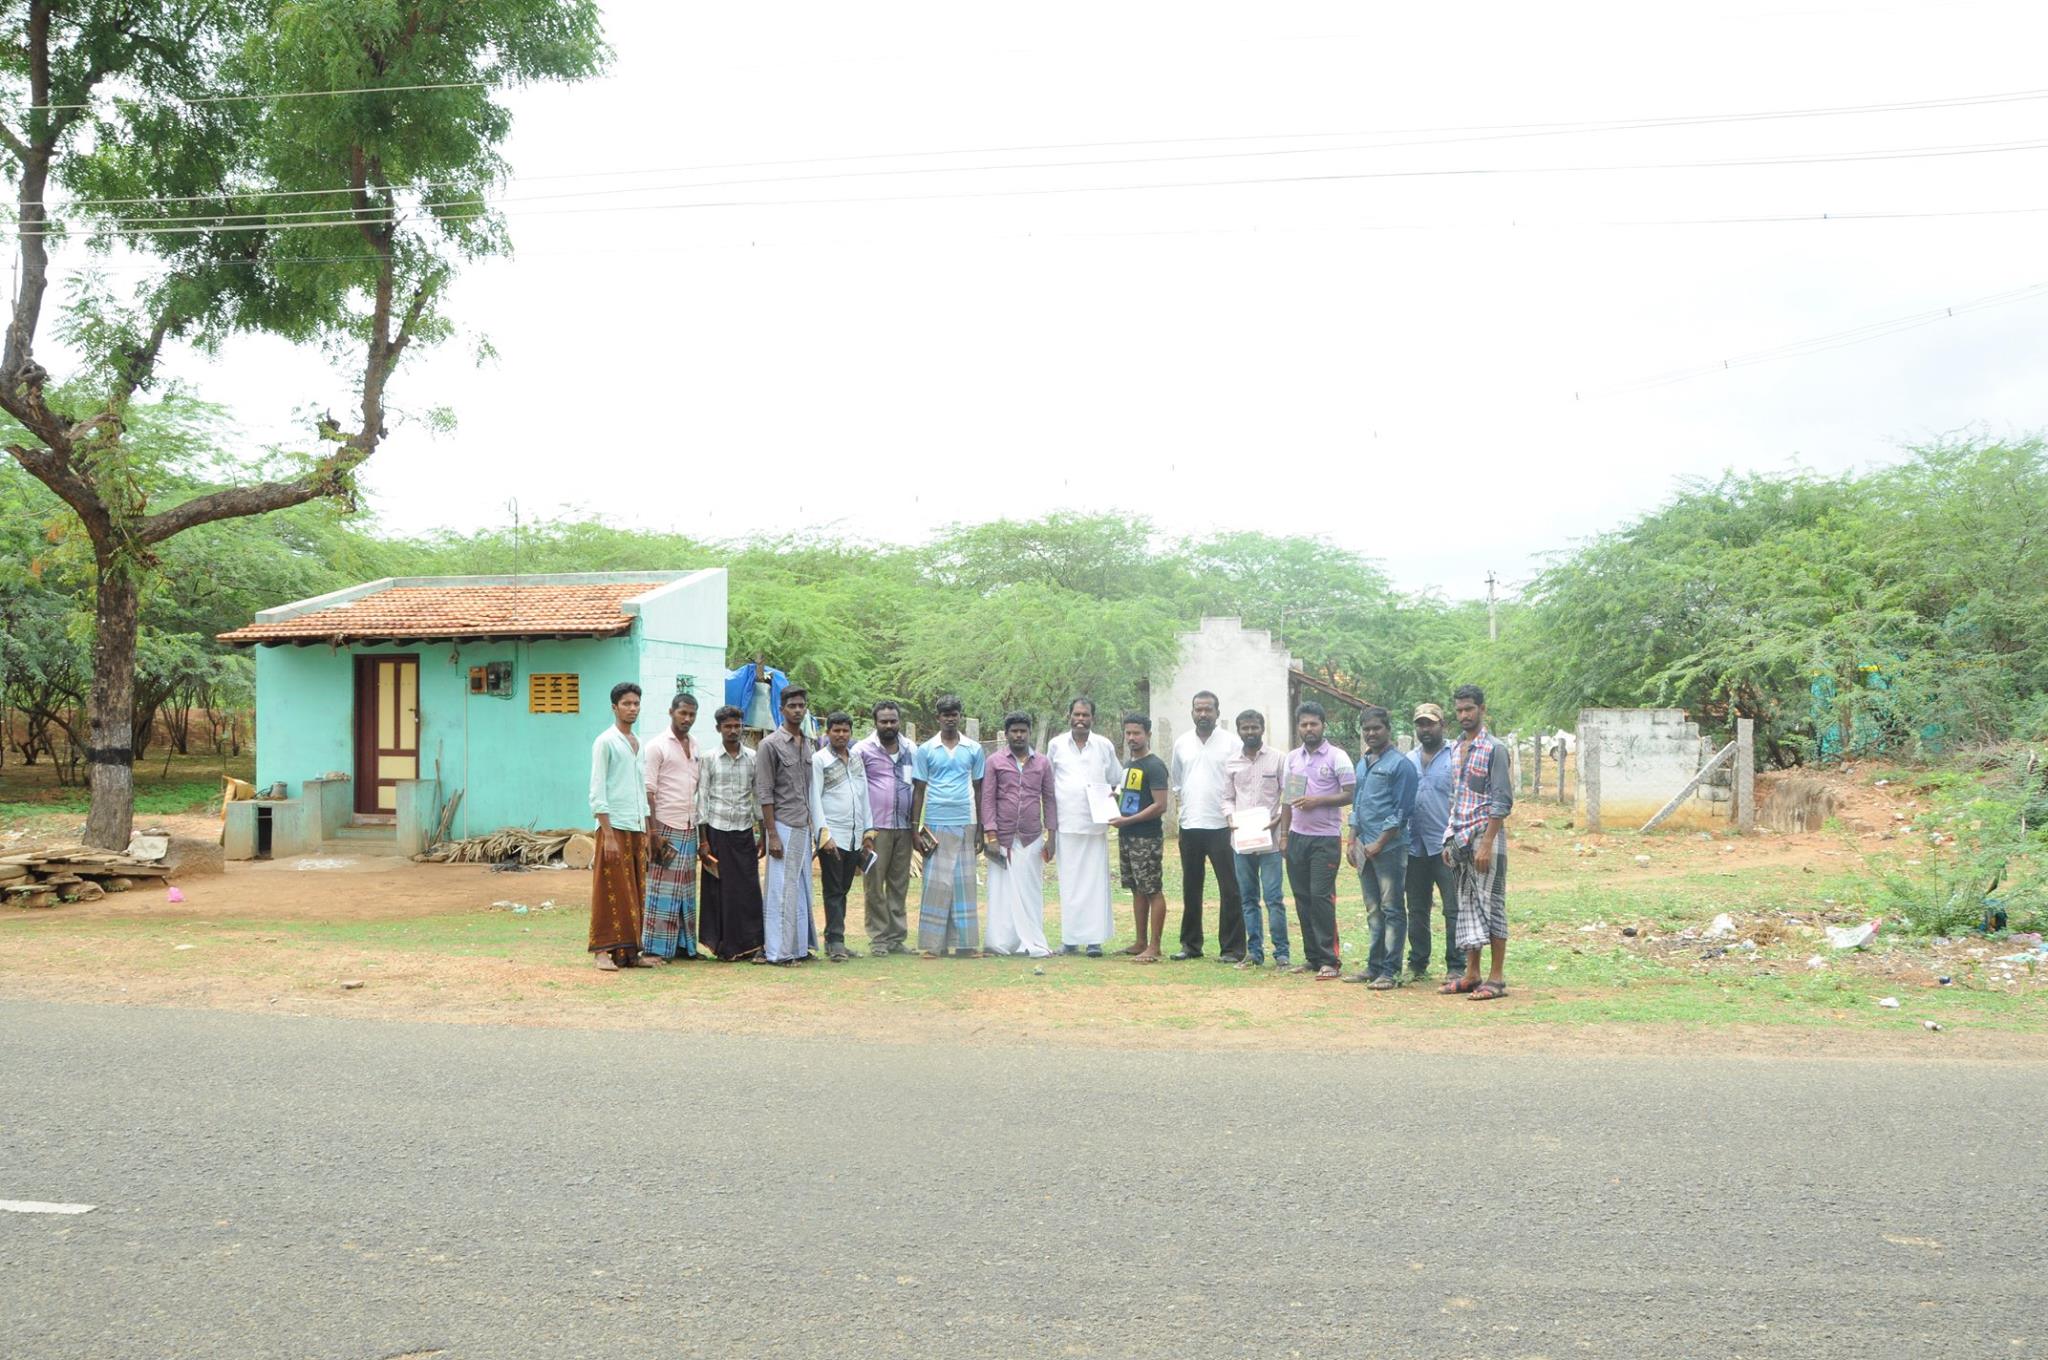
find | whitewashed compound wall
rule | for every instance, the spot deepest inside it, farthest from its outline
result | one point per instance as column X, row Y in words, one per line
column 1646, row 755
column 1242, row 666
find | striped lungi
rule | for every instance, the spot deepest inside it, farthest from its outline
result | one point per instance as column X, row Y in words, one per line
column 786, row 906
column 670, row 925
column 948, row 917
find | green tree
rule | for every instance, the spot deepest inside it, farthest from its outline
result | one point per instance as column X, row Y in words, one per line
column 1899, row 607
column 334, row 219
column 1034, row 647
column 1109, row 557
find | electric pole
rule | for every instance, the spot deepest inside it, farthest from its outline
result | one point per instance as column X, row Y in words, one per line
column 1492, row 609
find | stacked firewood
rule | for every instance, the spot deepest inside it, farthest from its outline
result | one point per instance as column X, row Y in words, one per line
column 514, row 845
column 70, row 873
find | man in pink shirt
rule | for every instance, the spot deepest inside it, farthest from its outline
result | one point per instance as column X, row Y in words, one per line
column 1018, row 812
column 669, row 928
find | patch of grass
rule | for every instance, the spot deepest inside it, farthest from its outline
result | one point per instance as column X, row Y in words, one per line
column 1562, row 973
column 191, row 784
column 162, row 799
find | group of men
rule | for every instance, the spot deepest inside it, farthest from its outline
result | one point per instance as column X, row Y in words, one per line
column 682, row 833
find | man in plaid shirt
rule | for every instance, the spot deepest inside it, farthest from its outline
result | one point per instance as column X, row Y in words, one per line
column 1476, row 846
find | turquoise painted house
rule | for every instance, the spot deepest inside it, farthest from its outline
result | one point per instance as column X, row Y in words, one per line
column 375, row 704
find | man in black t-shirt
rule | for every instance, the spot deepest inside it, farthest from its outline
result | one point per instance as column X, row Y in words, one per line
column 1139, row 844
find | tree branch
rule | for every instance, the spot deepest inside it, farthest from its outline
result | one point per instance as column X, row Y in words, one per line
column 138, row 365
column 236, row 502
column 331, row 477
column 55, row 470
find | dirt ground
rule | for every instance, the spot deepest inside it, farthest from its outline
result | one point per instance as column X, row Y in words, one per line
column 286, row 934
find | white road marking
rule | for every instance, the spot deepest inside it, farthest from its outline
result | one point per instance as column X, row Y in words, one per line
column 37, row 1206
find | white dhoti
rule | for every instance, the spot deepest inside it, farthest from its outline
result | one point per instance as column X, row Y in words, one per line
column 1016, row 901
column 1083, row 859
column 786, row 906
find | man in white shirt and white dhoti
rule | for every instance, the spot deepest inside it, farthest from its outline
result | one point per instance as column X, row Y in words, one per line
column 1081, row 758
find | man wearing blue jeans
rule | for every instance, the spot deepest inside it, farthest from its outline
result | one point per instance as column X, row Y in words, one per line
column 1252, row 779
column 1379, row 847
column 1427, row 872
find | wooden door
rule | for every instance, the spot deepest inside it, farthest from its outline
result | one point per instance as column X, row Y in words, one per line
column 387, row 730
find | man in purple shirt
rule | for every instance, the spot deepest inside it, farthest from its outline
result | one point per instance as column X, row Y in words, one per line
column 885, row 886
column 1319, row 781
column 1017, row 806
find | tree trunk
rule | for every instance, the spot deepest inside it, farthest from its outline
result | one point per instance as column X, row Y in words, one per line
column 110, row 712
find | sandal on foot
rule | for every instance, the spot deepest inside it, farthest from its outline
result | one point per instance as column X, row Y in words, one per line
column 1488, row 991
column 607, row 964
column 1457, row 986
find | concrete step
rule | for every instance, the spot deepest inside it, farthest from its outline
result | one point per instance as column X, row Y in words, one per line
column 355, row 831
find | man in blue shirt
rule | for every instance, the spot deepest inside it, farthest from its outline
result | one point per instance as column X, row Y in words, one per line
column 1379, row 846
column 946, row 793
column 1426, row 868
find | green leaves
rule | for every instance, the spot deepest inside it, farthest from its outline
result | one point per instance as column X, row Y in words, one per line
column 1901, row 609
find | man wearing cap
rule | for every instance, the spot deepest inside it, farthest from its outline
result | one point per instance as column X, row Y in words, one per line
column 1426, row 868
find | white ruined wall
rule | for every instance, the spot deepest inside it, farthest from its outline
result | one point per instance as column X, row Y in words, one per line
column 1244, row 669
column 1646, row 755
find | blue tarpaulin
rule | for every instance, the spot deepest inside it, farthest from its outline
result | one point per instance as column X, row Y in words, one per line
column 739, row 692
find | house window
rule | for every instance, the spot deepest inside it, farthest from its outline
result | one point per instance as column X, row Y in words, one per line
column 557, row 693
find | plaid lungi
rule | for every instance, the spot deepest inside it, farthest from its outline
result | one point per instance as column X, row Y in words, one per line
column 669, row 926
column 948, row 917
column 1482, row 898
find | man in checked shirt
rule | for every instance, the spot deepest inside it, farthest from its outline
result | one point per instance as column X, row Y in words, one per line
column 1476, row 845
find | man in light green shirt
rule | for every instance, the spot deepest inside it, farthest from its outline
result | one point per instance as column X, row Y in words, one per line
column 618, row 872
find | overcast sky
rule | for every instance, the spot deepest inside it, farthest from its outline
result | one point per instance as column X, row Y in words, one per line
column 1368, row 358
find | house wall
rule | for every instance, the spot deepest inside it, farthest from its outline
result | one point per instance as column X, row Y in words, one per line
column 682, row 632
column 516, row 768
column 1242, row 666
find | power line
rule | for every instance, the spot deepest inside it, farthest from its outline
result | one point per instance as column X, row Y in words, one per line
column 281, row 94
column 1820, row 344
column 383, row 217
column 343, row 215
column 1162, row 232
column 296, row 261
column 1482, row 132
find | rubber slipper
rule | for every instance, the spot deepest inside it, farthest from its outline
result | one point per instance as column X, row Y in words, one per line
column 1457, row 986
column 1488, row 991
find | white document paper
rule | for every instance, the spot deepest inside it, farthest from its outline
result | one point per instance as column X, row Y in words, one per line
column 1249, row 834
column 1251, row 840
column 1101, row 803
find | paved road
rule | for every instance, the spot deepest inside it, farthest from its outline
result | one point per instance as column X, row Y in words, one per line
column 312, row 1188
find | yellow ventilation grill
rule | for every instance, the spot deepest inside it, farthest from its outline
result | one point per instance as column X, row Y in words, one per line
column 553, row 694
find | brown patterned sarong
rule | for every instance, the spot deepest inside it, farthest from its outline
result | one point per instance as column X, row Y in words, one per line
column 618, row 888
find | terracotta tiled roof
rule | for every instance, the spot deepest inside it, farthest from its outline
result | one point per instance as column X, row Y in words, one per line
column 460, row 611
